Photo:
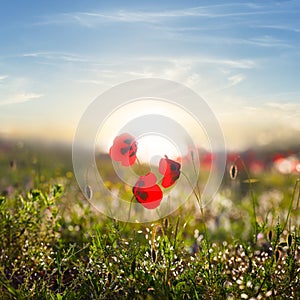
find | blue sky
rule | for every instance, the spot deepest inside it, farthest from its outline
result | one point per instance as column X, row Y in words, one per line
column 243, row 58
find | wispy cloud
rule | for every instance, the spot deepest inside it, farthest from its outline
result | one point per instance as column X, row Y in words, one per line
column 3, row 77
column 210, row 60
column 210, row 34
column 236, row 79
column 93, row 18
column 92, row 81
column 285, row 106
column 67, row 57
column 279, row 27
column 20, row 98
column 211, row 11
column 236, row 64
column 208, row 75
column 263, row 41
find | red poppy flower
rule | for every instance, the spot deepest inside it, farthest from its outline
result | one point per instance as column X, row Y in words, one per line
column 147, row 192
column 124, row 149
column 171, row 171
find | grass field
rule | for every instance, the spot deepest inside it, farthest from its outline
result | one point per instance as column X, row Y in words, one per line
column 54, row 245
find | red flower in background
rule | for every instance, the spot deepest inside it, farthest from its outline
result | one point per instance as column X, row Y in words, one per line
column 147, row 192
column 171, row 171
column 124, row 149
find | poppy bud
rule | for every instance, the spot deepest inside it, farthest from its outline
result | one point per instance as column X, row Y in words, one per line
column 289, row 240
column 109, row 277
column 166, row 223
column 153, row 254
column 133, row 265
column 270, row 235
column 277, row 255
column 233, row 171
column 88, row 192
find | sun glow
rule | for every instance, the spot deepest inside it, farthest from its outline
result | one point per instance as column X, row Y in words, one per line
column 151, row 148
column 160, row 136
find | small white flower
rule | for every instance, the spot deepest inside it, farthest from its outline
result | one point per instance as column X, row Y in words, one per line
column 268, row 293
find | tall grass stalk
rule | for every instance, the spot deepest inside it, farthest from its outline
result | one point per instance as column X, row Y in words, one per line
column 253, row 198
column 291, row 203
column 198, row 196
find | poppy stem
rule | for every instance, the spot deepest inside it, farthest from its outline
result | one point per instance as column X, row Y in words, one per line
column 193, row 188
column 197, row 182
column 129, row 212
column 138, row 162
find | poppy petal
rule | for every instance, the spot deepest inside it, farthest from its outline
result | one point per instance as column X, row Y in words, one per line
column 162, row 168
column 124, row 149
column 171, row 171
column 169, row 180
column 148, row 180
column 147, row 192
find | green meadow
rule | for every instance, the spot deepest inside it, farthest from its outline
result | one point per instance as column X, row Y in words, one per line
column 245, row 244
